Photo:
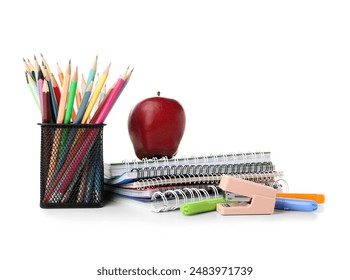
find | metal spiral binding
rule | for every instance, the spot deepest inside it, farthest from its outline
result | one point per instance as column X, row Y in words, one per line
column 172, row 199
column 211, row 159
column 195, row 170
column 266, row 178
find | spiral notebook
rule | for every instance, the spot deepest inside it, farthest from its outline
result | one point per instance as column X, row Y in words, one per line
column 240, row 163
column 145, row 189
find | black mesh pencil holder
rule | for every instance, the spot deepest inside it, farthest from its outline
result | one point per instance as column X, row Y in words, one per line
column 71, row 169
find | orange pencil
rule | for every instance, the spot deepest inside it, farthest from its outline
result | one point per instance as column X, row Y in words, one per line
column 78, row 97
column 60, row 74
column 64, row 94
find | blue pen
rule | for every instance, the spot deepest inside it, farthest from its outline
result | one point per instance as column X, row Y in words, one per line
column 291, row 204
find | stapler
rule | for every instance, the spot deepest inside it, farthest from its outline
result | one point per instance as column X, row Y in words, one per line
column 262, row 198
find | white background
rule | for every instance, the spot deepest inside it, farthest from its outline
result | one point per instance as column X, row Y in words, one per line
column 251, row 75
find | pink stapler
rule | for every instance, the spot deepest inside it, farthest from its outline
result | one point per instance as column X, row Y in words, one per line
column 262, row 198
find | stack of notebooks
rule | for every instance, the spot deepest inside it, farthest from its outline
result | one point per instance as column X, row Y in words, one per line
column 168, row 183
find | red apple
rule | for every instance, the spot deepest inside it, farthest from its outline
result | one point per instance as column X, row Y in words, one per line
column 156, row 126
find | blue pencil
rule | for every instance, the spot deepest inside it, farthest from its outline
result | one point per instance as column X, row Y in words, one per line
column 83, row 104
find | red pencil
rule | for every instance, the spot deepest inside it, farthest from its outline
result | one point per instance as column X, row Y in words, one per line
column 56, row 89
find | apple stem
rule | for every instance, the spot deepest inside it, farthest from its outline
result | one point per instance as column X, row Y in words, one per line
column 158, row 93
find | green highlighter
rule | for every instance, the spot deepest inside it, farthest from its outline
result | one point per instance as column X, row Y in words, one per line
column 201, row 206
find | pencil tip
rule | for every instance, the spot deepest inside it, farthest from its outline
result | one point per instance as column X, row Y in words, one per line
column 24, row 59
column 34, row 57
column 41, row 55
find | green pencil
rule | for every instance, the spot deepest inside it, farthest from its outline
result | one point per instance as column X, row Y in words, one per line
column 31, row 90
column 71, row 96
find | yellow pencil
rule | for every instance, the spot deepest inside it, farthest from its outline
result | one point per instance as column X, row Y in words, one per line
column 97, row 90
column 64, row 94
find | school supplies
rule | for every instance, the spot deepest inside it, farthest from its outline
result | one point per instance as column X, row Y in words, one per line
column 254, row 161
column 172, row 199
column 208, row 205
column 71, row 153
column 290, row 204
column 201, row 206
column 262, row 200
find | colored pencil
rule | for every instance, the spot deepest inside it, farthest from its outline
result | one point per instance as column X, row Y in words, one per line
column 95, row 94
column 103, row 94
column 78, row 97
column 110, row 100
column 40, row 87
column 46, row 103
column 34, row 93
column 36, row 67
column 100, row 108
column 72, row 164
column 71, row 96
column 64, row 94
column 92, row 73
column 56, row 89
column 83, row 84
column 31, row 67
column 53, row 103
column 26, row 66
column 60, row 74
column 98, row 102
column 83, row 104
